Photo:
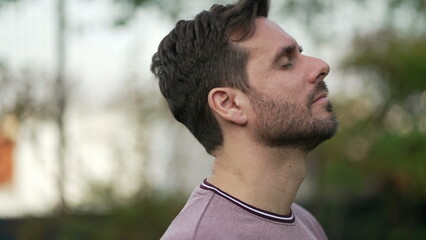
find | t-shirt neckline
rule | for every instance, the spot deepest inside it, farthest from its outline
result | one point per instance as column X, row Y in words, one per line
column 289, row 218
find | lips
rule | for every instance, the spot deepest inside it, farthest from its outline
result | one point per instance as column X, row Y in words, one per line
column 320, row 96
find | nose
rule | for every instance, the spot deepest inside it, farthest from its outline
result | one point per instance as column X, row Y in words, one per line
column 319, row 70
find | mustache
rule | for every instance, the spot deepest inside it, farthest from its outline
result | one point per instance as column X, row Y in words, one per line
column 318, row 89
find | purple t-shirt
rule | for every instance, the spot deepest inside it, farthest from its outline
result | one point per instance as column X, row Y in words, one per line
column 211, row 214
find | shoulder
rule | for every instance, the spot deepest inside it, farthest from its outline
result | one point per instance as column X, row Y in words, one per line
column 301, row 211
column 209, row 216
column 185, row 225
column 305, row 218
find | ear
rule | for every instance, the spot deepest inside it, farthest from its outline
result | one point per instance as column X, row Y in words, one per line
column 227, row 103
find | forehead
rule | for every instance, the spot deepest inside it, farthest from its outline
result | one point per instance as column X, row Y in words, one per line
column 268, row 38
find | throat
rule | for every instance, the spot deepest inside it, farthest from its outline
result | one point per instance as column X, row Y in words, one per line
column 267, row 184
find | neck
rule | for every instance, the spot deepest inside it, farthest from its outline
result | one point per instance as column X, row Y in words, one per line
column 267, row 178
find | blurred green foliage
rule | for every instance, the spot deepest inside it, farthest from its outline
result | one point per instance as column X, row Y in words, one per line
column 143, row 218
column 373, row 176
column 7, row 1
column 399, row 60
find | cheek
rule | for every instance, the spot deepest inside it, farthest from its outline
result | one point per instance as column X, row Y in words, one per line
column 294, row 88
column 289, row 92
column 278, row 84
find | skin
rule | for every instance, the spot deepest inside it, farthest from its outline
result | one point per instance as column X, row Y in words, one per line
column 265, row 176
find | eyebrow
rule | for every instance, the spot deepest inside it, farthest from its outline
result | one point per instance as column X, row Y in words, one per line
column 285, row 51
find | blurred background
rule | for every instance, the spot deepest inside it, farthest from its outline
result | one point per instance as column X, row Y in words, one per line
column 88, row 149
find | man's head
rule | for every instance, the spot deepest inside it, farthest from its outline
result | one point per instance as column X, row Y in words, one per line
column 197, row 56
column 236, row 47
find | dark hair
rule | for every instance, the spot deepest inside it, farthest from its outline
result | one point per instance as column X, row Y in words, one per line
column 197, row 56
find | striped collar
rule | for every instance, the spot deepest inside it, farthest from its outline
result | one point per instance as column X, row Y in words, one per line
column 262, row 213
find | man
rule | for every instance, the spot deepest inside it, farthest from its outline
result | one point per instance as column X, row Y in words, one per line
column 244, row 89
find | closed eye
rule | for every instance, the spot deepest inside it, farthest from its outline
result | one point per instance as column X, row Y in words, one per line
column 286, row 66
